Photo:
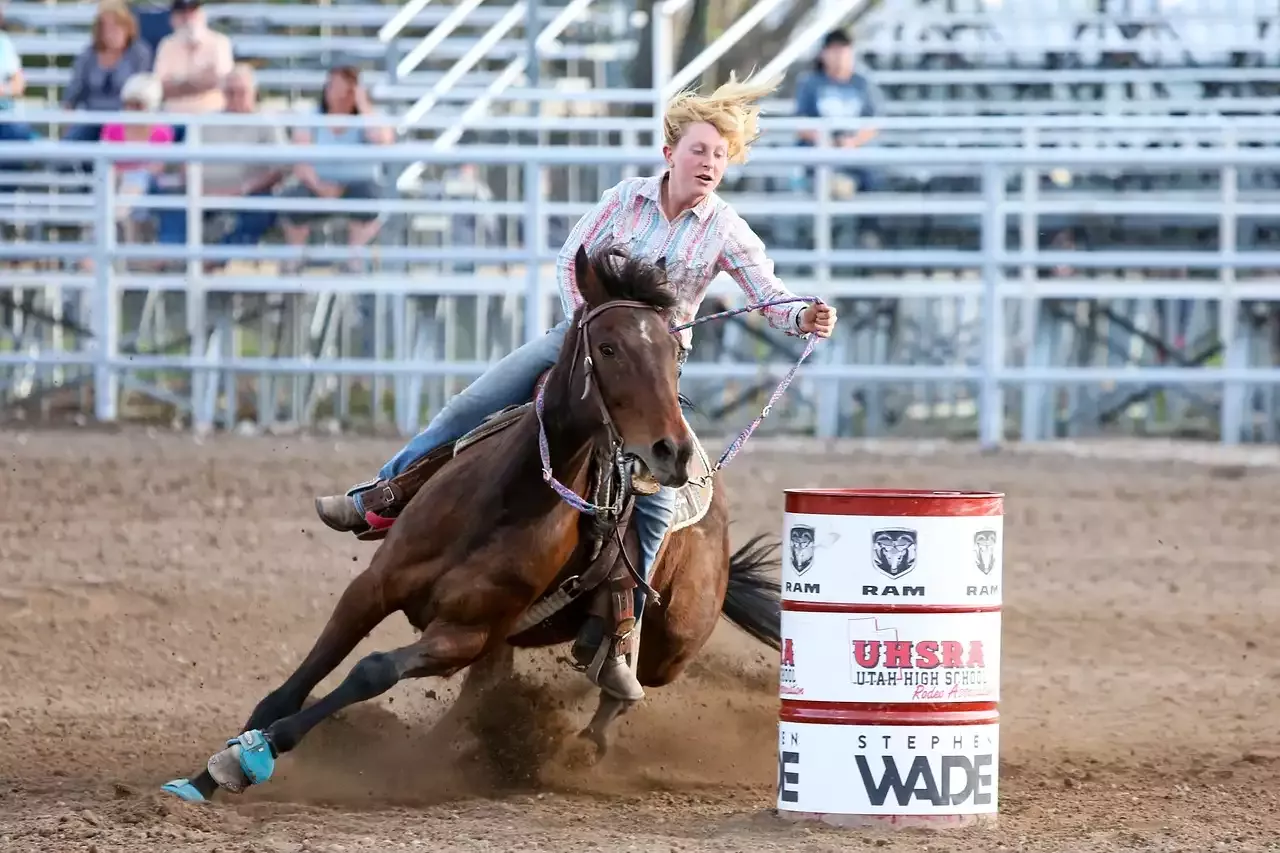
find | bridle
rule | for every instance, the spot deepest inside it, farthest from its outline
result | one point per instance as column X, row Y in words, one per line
column 583, row 342
column 568, row 495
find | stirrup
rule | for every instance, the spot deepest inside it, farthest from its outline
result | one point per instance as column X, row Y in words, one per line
column 362, row 487
column 609, row 653
column 370, row 485
column 604, row 651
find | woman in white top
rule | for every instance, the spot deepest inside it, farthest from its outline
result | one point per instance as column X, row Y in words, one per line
column 674, row 216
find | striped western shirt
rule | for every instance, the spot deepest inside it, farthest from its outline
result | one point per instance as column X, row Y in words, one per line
column 698, row 244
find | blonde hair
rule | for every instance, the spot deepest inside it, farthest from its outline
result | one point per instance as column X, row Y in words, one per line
column 143, row 89
column 730, row 109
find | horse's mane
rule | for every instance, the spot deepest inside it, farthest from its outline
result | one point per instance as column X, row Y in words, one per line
column 635, row 279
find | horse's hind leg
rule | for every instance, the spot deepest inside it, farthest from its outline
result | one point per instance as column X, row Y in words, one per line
column 442, row 650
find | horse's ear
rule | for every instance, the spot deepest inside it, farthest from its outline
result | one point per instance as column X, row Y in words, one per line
column 588, row 285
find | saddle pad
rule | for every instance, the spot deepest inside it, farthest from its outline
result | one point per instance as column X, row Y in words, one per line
column 694, row 497
column 492, row 425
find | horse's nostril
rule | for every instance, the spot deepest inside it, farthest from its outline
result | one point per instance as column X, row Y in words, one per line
column 664, row 450
column 686, row 452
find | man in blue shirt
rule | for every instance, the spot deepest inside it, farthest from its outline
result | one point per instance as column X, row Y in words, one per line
column 834, row 90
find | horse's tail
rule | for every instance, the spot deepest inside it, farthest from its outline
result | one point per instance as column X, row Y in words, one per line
column 753, row 600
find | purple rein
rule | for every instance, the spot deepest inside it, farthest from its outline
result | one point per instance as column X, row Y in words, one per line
column 811, row 340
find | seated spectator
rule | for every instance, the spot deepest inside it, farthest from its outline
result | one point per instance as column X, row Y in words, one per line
column 235, row 179
column 834, row 90
column 343, row 95
column 114, row 54
column 141, row 92
column 12, row 86
column 192, row 62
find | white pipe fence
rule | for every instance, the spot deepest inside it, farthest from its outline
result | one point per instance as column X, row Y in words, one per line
column 995, row 285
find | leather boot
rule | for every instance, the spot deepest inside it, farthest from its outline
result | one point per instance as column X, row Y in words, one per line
column 339, row 512
column 605, row 639
column 382, row 499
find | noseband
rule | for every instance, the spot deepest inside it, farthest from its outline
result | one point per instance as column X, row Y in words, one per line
column 583, row 343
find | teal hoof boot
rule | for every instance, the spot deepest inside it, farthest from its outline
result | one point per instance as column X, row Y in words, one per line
column 246, row 761
column 183, row 789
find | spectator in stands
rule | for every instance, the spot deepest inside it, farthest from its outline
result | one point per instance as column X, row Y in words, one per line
column 12, row 85
column 359, row 179
column 235, row 179
column 835, row 90
column 192, row 63
column 114, row 54
column 144, row 93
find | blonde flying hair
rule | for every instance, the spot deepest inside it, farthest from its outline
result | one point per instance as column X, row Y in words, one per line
column 731, row 109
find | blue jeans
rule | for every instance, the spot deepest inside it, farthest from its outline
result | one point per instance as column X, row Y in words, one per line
column 509, row 383
column 15, row 131
column 83, row 133
column 249, row 227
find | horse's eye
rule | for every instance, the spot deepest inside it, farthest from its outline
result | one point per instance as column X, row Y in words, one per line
column 606, row 350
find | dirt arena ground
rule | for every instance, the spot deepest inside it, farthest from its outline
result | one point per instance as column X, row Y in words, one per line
column 153, row 587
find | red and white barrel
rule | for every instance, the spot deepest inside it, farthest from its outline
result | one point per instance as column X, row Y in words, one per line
column 890, row 676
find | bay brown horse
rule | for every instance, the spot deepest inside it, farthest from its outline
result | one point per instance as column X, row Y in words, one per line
column 486, row 537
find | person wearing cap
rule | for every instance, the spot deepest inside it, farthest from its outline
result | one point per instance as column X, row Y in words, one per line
column 192, row 62
column 833, row 89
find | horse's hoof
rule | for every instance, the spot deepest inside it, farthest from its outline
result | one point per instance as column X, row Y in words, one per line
column 598, row 740
column 183, row 789
column 246, row 761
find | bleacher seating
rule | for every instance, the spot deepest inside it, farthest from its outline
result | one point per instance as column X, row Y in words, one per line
column 950, row 73
column 291, row 45
column 1156, row 60
column 928, row 58
column 1016, row 58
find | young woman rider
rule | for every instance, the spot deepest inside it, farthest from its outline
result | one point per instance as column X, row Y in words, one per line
column 675, row 215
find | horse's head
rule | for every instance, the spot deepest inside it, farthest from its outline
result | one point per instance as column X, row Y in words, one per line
column 630, row 359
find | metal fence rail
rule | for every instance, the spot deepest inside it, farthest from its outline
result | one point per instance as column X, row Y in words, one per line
column 1004, row 321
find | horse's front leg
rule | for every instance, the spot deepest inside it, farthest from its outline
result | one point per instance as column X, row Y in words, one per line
column 489, row 672
column 600, row 730
column 360, row 609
